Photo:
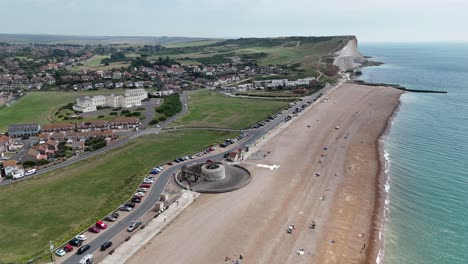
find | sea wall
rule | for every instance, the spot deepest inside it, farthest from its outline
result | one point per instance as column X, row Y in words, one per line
column 349, row 56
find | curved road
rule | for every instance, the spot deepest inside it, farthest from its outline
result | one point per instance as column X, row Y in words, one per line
column 164, row 177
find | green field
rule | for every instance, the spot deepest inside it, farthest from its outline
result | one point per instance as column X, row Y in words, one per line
column 59, row 204
column 94, row 64
column 35, row 107
column 210, row 109
column 191, row 44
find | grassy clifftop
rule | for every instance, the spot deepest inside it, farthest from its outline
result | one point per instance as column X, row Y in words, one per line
column 305, row 54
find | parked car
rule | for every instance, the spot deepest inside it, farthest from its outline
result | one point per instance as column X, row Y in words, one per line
column 136, row 200
column 145, row 185
column 148, row 181
column 101, row 225
column 83, row 249
column 133, row 226
column 60, row 252
column 142, row 189
column 68, row 248
column 81, row 237
column 125, row 208
column 115, row 215
column 153, row 171
column 30, row 172
column 170, row 163
column 140, row 194
column 160, row 168
column 94, row 229
column 75, row 242
column 132, row 205
column 106, row 245
column 110, row 218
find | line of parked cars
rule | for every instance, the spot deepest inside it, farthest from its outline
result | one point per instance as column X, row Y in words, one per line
column 75, row 242
column 137, row 198
column 269, row 119
column 230, row 141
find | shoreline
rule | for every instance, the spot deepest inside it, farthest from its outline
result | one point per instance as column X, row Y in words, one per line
column 293, row 194
column 376, row 237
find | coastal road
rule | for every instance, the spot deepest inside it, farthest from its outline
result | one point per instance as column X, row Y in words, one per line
column 148, row 203
column 131, row 136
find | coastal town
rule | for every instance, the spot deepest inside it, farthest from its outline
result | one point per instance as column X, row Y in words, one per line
column 164, row 130
column 34, row 67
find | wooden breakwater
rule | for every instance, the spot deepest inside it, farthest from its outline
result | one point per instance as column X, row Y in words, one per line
column 396, row 86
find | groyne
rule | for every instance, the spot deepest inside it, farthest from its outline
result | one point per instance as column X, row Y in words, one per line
column 396, row 86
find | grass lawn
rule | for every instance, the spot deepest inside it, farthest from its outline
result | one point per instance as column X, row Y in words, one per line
column 59, row 204
column 210, row 109
column 192, row 44
column 94, row 63
column 35, row 107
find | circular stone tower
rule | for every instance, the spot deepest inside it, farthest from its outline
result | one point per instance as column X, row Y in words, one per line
column 213, row 172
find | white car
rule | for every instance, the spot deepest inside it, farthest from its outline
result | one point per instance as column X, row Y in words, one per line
column 60, row 252
column 160, row 168
column 148, row 180
column 30, row 172
column 142, row 189
column 140, row 194
column 81, row 237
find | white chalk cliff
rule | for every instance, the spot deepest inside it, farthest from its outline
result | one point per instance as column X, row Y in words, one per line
column 349, row 57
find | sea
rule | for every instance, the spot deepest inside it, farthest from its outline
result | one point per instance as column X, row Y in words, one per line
column 426, row 150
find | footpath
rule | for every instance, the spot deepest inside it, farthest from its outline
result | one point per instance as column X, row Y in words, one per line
column 154, row 227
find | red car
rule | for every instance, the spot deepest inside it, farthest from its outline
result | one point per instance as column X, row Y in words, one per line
column 68, row 248
column 145, row 185
column 101, row 225
column 94, row 229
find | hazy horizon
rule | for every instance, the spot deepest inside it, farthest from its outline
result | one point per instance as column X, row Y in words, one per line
column 370, row 21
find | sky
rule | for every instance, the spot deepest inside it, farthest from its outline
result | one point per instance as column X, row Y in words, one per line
column 369, row 20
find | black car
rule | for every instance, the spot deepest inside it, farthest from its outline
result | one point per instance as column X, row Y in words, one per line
column 83, row 249
column 115, row 215
column 132, row 205
column 106, row 245
column 76, row 242
column 136, row 200
column 109, row 218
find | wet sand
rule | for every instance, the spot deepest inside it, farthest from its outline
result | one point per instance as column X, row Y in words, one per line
column 342, row 201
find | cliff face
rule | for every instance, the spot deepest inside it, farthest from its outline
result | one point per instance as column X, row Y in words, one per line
column 349, row 56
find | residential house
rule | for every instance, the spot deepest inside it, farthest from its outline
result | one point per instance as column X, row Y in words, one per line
column 58, row 128
column 11, row 167
column 24, row 130
column 4, row 145
column 35, row 154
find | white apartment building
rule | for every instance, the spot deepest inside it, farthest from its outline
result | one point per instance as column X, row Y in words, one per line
column 84, row 104
column 140, row 93
column 132, row 98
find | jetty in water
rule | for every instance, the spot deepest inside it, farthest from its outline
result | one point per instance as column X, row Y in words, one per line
column 396, row 86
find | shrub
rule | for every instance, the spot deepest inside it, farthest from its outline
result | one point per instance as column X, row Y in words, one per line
column 101, row 116
column 43, row 162
column 29, row 163
column 113, row 113
column 171, row 106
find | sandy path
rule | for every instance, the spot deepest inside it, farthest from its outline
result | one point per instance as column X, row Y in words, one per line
column 253, row 221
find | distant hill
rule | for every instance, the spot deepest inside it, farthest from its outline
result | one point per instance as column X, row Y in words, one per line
column 94, row 40
column 306, row 56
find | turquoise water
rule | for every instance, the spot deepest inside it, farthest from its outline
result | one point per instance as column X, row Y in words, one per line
column 427, row 153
